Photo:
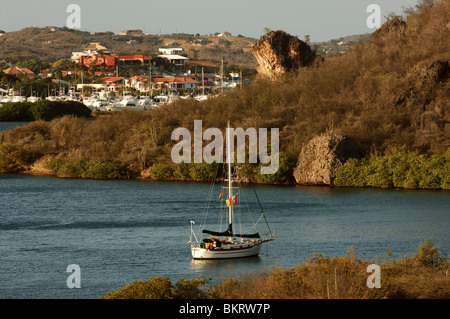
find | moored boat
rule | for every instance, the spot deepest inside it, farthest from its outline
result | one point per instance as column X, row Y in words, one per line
column 225, row 244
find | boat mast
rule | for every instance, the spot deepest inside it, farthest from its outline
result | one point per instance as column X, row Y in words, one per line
column 230, row 187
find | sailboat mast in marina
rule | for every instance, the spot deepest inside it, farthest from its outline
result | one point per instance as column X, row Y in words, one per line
column 224, row 244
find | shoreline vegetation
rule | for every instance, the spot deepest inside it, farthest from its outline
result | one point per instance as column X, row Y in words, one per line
column 403, row 171
column 424, row 275
column 389, row 94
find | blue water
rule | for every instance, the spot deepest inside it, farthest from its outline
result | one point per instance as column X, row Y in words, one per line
column 122, row 231
column 4, row 126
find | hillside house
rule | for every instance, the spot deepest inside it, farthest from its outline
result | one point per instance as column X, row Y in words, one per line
column 174, row 82
column 224, row 34
column 97, row 59
column 179, row 61
column 113, row 83
column 96, row 47
column 170, row 51
column 138, row 82
column 19, row 71
column 131, row 32
column 137, row 59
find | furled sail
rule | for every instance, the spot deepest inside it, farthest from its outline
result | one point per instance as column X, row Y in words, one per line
column 229, row 232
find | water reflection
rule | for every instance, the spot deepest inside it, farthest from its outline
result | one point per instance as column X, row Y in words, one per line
column 222, row 268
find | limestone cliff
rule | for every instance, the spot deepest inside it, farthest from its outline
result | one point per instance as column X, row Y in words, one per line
column 321, row 157
column 277, row 53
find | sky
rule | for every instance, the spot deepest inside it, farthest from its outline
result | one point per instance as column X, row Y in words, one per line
column 323, row 20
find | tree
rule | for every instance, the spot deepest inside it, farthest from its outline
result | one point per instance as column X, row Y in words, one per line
column 307, row 39
column 32, row 64
column 60, row 64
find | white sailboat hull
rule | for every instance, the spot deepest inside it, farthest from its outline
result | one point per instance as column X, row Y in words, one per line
column 245, row 250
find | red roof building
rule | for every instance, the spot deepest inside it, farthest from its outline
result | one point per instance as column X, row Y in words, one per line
column 98, row 59
column 177, row 82
column 137, row 59
column 113, row 83
column 18, row 71
column 112, row 61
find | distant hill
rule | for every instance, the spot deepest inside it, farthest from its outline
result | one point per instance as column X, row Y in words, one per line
column 340, row 45
column 53, row 43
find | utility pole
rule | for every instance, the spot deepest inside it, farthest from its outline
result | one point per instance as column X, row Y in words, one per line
column 221, row 77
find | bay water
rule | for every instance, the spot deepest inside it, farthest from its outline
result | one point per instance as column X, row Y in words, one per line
column 119, row 231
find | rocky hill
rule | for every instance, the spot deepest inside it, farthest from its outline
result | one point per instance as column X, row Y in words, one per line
column 278, row 53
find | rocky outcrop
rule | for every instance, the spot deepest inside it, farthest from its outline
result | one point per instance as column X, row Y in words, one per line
column 321, row 157
column 392, row 28
column 433, row 119
column 277, row 53
column 428, row 72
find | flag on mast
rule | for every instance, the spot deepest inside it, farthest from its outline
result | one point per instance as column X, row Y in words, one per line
column 232, row 200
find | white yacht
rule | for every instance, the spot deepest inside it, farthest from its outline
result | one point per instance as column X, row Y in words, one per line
column 224, row 244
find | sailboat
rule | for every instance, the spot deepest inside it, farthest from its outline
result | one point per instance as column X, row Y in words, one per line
column 225, row 244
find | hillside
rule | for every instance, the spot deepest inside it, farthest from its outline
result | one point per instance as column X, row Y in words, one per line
column 52, row 43
column 391, row 95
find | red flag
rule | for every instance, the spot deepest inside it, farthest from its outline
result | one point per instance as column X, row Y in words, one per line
column 232, row 200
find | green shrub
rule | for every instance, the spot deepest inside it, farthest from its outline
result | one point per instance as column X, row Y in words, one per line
column 246, row 171
column 352, row 173
column 55, row 163
column 73, row 168
column 16, row 111
column 161, row 288
column 190, row 288
column 284, row 174
column 161, row 171
column 182, row 171
column 202, row 171
column 86, row 168
column 154, row 288
column 428, row 255
column 380, row 173
column 14, row 158
column 41, row 110
column 48, row 110
column 105, row 170
column 409, row 170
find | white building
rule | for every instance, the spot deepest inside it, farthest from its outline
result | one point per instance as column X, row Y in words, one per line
column 170, row 51
column 180, row 62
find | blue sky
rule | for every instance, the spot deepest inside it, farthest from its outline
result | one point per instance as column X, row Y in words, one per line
column 321, row 19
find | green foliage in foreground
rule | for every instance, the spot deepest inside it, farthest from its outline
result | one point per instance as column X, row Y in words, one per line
column 41, row 110
column 422, row 275
column 87, row 168
column 14, row 158
column 403, row 171
column 161, row 288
